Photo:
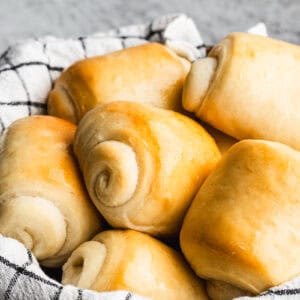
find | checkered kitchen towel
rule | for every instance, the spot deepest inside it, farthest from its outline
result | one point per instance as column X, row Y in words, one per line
column 27, row 72
column 22, row 279
column 28, row 69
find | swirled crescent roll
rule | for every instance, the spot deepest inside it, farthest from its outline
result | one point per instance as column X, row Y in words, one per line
column 134, row 261
column 243, row 227
column 249, row 88
column 43, row 201
column 149, row 73
column 143, row 165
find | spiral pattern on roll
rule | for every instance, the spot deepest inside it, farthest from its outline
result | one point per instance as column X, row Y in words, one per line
column 133, row 156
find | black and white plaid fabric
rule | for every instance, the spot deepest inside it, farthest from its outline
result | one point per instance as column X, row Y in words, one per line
column 27, row 72
column 22, row 279
column 29, row 68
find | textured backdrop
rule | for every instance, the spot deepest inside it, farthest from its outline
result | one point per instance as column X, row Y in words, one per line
column 26, row 18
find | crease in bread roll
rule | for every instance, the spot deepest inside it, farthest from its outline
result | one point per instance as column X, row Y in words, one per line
column 150, row 73
column 64, row 103
column 243, row 226
column 219, row 290
column 198, row 82
column 135, row 160
column 254, row 90
column 130, row 260
column 14, row 214
column 223, row 141
column 116, row 180
column 85, row 263
column 43, row 201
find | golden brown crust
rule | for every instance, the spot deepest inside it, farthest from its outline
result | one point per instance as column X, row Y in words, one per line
column 245, row 218
column 143, row 165
column 224, row 141
column 41, row 185
column 132, row 261
column 255, row 90
column 219, row 290
column 149, row 73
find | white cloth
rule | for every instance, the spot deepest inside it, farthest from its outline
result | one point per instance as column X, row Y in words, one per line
column 23, row 279
column 28, row 69
column 27, row 72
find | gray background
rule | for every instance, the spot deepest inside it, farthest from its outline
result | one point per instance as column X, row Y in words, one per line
column 69, row 18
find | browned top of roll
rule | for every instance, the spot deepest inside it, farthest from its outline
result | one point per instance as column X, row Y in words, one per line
column 149, row 73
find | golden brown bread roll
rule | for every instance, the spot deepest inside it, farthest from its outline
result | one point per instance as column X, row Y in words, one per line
column 143, row 165
column 219, row 290
column 149, row 73
column 43, row 201
column 130, row 260
column 223, row 141
column 243, row 226
column 248, row 87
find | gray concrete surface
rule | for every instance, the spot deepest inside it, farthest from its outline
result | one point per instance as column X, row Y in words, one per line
column 66, row 18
